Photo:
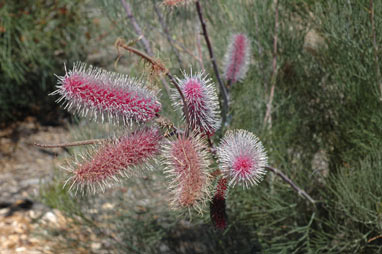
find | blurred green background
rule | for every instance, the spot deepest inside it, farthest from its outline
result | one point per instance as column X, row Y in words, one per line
column 326, row 129
column 36, row 38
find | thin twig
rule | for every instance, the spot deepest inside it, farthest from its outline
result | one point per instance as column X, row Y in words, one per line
column 185, row 108
column 276, row 171
column 375, row 46
column 260, row 51
column 286, row 179
column 156, row 65
column 136, row 26
column 162, row 122
column 139, row 32
column 167, row 33
column 182, row 48
column 374, row 238
column 199, row 48
column 75, row 143
column 223, row 90
column 229, row 83
column 268, row 114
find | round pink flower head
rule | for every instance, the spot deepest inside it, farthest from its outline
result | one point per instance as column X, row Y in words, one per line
column 237, row 58
column 102, row 94
column 202, row 102
column 187, row 166
column 242, row 158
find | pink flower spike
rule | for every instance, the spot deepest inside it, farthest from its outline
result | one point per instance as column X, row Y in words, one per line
column 237, row 58
column 187, row 163
column 103, row 94
column 124, row 156
column 242, row 158
column 202, row 102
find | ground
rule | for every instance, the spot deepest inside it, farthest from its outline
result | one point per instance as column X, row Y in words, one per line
column 23, row 168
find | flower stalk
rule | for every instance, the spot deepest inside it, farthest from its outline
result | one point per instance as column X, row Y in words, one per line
column 223, row 90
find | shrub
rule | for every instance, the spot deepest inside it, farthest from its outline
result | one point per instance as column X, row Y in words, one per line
column 36, row 37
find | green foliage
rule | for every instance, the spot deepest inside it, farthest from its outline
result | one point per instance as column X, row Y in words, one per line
column 355, row 214
column 36, row 39
column 327, row 98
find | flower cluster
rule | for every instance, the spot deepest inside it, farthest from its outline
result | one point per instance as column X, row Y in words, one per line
column 120, row 99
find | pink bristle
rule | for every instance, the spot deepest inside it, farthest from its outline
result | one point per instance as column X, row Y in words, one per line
column 187, row 165
column 237, row 58
column 242, row 157
column 125, row 156
column 106, row 95
column 202, row 103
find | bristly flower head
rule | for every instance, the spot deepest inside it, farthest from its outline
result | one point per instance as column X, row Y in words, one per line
column 103, row 94
column 217, row 206
column 202, row 102
column 242, row 157
column 237, row 58
column 187, row 163
column 124, row 156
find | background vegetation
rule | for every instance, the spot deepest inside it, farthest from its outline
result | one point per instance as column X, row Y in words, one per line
column 326, row 128
column 36, row 38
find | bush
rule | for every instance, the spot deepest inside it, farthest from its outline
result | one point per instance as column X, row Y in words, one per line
column 325, row 132
column 36, row 39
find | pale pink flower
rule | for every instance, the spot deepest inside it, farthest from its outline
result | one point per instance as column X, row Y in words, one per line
column 124, row 156
column 242, row 158
column 102, row 94
column 237, row 58
column 187, row 166
column 202, row 102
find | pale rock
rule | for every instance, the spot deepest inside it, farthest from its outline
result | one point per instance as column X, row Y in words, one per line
column 95, row 246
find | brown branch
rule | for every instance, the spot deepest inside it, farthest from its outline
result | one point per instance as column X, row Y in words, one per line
column 136, row 26
column 375, row 46
column 199, row 49
column 268, row 114
column 75, row 143
column 223, row 90
column 167, row 33
column 286, row 179
column 185, row 109
column 374, row 238
column 277, row 172
column 163, row 123
column 182, row 48
column 157, row 66
column 139, row 32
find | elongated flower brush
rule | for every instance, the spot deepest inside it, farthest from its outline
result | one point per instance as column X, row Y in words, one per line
column 242, row 158
column 237, row 58
column 102, row 94
column 187, row 166
column 124, row 156
column 202, row 102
